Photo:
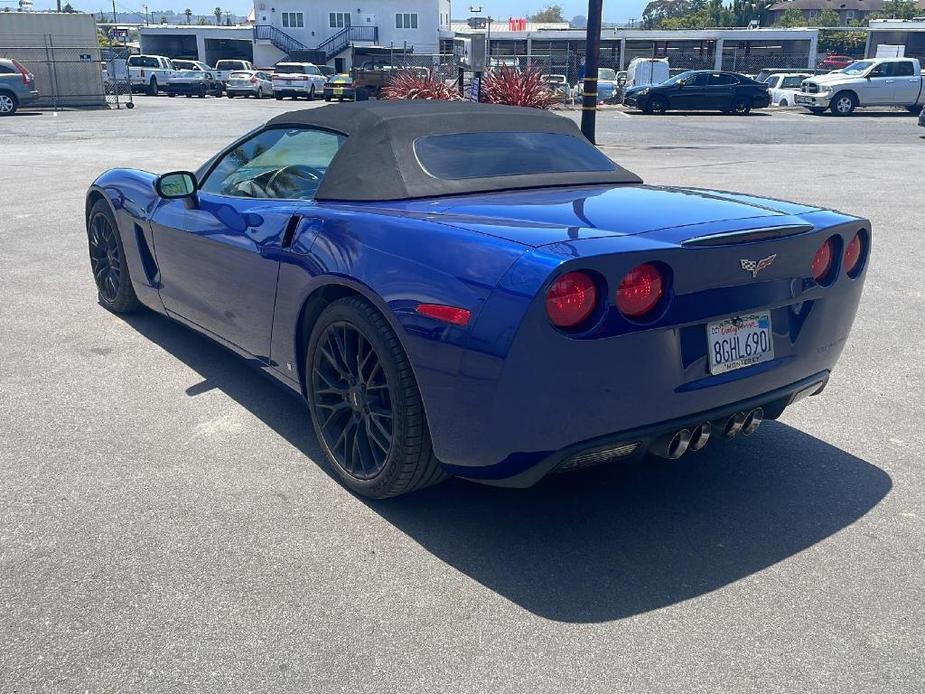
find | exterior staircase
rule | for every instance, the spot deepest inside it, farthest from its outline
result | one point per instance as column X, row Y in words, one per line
column 329, row 48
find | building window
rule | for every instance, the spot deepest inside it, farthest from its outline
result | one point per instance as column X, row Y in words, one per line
column 406, row 20
column 339, row 20
column 293, row 20
column 849, row 14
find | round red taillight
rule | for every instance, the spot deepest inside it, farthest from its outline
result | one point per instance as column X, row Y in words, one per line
column 639, row 291
column 822, row 261
column 571, row 299
column 853, row 253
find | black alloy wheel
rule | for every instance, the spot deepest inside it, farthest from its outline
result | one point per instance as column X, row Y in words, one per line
column 741, row 106
column 107, row 262
column 354, row 401
column 365, row 404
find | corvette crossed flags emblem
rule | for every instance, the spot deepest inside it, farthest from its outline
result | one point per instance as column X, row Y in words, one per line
column 756, row 266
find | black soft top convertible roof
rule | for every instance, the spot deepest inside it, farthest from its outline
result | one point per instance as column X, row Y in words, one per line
column 378, row 161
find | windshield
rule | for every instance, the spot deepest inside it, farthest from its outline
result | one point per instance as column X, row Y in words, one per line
column 858, row 67
column 605, row 73
column 484, row 155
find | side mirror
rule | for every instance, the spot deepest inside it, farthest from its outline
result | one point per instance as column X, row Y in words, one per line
column 176, row 184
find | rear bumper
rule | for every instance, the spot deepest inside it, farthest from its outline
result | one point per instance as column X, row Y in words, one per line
column 25, row 98
column 289, row 89
column 629, row 446
column 346, row 93
column 240, row 91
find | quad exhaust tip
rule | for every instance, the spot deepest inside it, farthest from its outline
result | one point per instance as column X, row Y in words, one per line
column 733, row 425
column 700, row 436
column 672, row 446
column 752, row 421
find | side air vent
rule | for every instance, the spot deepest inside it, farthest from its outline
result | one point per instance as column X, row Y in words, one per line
column 152, row 274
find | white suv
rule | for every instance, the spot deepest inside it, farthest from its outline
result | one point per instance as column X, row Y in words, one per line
column 296, row 80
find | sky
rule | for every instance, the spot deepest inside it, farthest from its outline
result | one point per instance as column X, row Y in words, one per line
column 614, row 10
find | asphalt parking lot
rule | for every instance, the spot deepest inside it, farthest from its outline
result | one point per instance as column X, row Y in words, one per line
column 164, row 527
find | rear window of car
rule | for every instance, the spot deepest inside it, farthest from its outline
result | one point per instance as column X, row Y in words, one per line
column 143, row 61
column 229, row 65
column 239, row 75
column 793, row 82
column 289, row 68
column 486, row 155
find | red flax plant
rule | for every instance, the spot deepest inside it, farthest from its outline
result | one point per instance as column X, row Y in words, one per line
column 425, row 85
column 517, row 88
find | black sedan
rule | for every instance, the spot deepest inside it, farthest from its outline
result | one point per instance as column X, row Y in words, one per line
column 193, row 83
column 701, row 90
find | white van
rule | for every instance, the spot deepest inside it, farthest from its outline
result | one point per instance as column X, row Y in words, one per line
column 643, row 71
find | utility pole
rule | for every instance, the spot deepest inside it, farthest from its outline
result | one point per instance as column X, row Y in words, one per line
column 114, row 20
column 592, row 58
column 146, row 14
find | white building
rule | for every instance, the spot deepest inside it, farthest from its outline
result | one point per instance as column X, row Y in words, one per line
column 334, row 25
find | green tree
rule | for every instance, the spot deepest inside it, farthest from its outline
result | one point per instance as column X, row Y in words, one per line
column 218, row 15
column 793, row 18
column 828, row 18
column 189, row 13
column 658, row 11
column 896, row 9
column 550, row 13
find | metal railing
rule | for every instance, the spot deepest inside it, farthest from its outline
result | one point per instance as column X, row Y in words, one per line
column 283, row 41
column 333, row 45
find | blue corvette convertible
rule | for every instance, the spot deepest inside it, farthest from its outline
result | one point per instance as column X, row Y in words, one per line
column 473, row 290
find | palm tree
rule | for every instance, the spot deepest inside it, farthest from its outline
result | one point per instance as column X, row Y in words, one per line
column 218, row 15
column 189, row 13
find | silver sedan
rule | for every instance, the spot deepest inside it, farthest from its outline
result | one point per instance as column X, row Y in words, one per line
column 254, row 83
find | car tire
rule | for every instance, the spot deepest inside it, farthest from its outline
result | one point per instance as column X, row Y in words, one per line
column 107, row 261
column 328, row 99
column 311, row 93
column 152, row 87
column 202, row 93
column 8, row 104
column 259, row 92
column 741, row 106
column 279, row 97
column 843, row 104
column 657, row 105
column 915, row 109
column 171, row 95
column 783, row 102
column 363, row 397
column 230, row 95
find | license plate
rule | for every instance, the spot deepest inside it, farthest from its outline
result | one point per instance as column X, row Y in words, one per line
column 338, row 90
column 738, row 342
column 803, row 100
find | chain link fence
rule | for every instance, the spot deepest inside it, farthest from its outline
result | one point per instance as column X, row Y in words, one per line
column 68, row 72
column 568, row 63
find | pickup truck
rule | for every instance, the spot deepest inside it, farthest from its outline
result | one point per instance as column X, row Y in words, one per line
column 868, row 82
column 149, row 73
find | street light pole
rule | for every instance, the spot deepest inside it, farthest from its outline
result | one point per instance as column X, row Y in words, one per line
column 592, row 58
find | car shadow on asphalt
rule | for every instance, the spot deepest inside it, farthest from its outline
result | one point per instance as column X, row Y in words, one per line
column 607, row 543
